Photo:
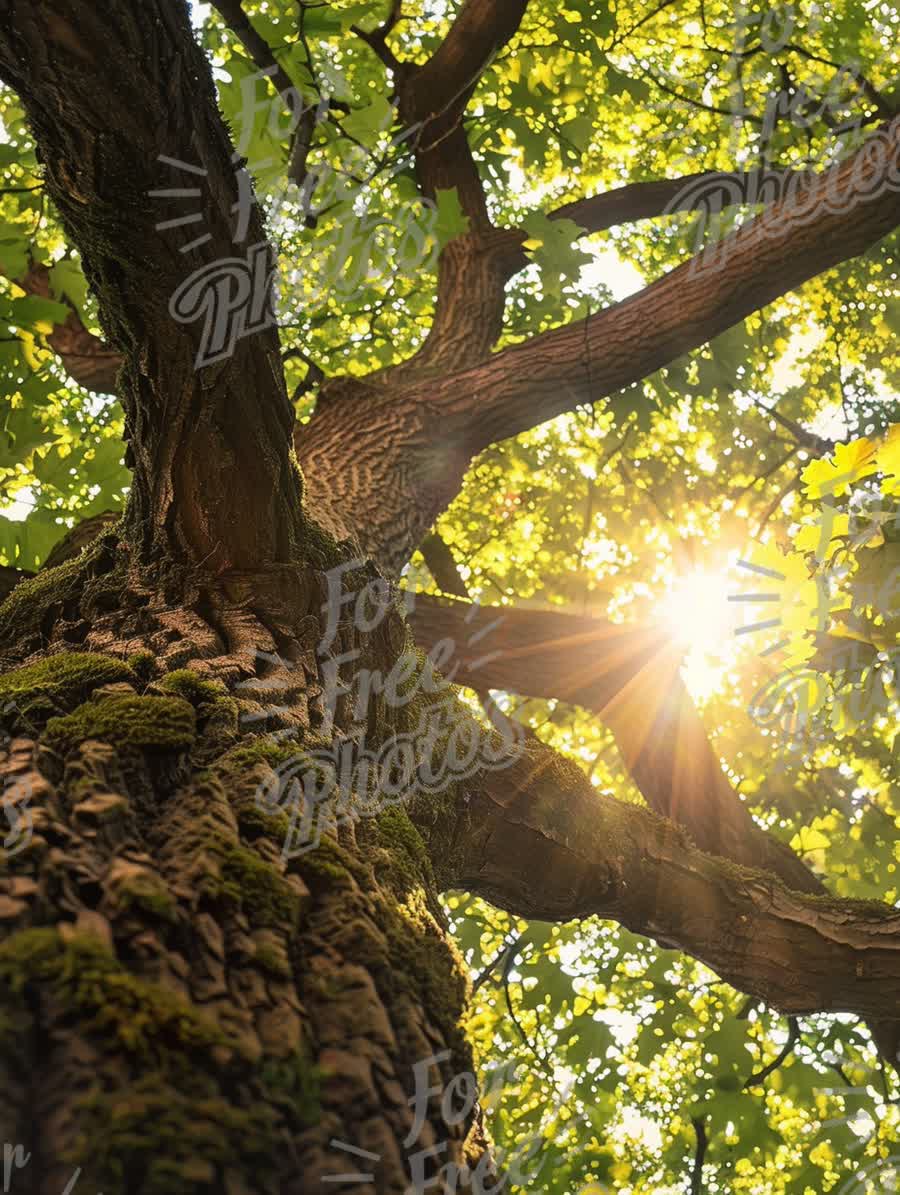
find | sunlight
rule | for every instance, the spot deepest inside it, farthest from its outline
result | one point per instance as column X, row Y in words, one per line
column 697, row 613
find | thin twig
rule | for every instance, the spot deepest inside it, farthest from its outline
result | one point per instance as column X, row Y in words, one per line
column 699, row 1154
column 788, row 1048
column 485, row 974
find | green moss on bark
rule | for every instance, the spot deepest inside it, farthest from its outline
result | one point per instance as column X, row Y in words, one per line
column 254, row 823
column 294, row 1083
column 23, row 610
column 186, row 683
column 145, row 723
column 165, row 1140
column 62, row 681
column 409, row 865
column 144, row 1019
column 149, row 894
column 198, row 1105
column 254, row 885
column 239, row 762
column 143, row 663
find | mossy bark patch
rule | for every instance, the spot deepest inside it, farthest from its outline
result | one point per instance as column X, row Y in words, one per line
column 63, row 680
column 145, row 723
column 254, row 885
column 146, row 1019
column 186, row 683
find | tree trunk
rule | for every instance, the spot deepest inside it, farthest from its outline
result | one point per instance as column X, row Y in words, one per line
column 198, row 425
column 184, row 1009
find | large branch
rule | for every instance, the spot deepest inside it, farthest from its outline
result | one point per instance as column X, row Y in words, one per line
column 442, row 565
column 629, row 676
column 122, row 105
column 432, row 99
column 420, row 433
column 538, row 840
column 500, row 255
column 706, row 189
column 443, row 86
column 843, row 213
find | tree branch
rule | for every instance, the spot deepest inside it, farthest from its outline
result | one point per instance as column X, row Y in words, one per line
column 629, row 676
column 86, row 357
column 439, row 91
column 842, row 214
column 432, row 98
column 537, row 840
column 263, row 56
column 442, row 565
column 705, row 190
column 699, row 1154
column 788, row 1048
column 377, row 38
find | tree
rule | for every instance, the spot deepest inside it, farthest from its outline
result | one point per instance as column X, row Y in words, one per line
column 228, row 968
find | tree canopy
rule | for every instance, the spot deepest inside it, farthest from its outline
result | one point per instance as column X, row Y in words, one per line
column 518, row 214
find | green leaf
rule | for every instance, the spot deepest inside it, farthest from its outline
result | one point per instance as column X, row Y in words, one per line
column 32, row 310
column 451, row 221
column 553, row 245
column 26, row 544
column 13, row 250
column 67, row 281
column 22, row 432
column 368, row 123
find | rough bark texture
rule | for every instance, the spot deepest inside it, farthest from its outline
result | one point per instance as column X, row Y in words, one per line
column 184, row 1010
column 198, row 433
column 543, row 857
column 423, row 430
column 170, row 984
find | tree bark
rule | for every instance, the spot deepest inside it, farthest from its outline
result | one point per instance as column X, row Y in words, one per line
column 842, row 213
column 540, row 841
column 185, row 1009
column 103, row 129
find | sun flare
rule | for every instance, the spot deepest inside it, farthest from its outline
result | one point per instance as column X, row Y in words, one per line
column 696, row 612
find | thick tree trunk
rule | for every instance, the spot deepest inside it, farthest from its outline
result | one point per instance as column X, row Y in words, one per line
column 140, row 167
column 182, row 1009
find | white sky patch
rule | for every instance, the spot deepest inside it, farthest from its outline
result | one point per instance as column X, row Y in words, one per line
column 786, row 371
column 623, row 1025
column 20, row 508
column 641, row 1128
column 830, row 423
column 608, row 269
